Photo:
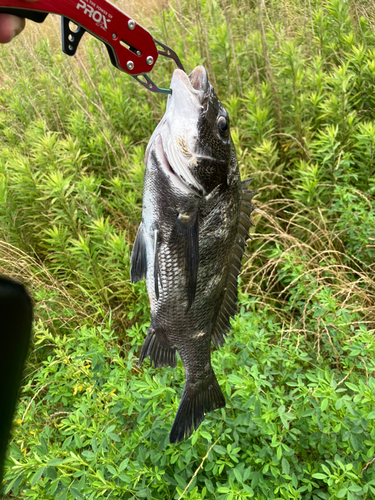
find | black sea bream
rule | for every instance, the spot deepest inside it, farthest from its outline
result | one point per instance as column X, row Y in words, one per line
column 195, row 222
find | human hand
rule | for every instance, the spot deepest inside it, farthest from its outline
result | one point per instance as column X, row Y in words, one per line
column 10, row 26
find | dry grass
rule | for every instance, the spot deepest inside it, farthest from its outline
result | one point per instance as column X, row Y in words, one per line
column 313, row 256
column 54, row 297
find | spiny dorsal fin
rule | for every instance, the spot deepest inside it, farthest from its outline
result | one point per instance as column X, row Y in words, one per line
column 228, row 306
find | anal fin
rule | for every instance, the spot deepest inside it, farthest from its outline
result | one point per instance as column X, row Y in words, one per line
column 160, row 354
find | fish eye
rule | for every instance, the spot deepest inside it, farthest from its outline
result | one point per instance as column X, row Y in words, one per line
column 223, row 126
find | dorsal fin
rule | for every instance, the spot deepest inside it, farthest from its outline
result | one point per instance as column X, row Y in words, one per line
column 228, row 306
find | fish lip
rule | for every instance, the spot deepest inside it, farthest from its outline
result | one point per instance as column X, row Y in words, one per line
column 198, row 79
column 178, row 181
column 196, row 82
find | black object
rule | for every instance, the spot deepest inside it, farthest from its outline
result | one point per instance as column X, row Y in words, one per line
column 71, row 39
column 15, row 332
column 37, row 17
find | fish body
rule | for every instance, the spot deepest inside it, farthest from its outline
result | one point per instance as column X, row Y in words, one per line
column 195, row 222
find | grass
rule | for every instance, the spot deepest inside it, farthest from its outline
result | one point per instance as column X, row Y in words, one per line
column 297, row 370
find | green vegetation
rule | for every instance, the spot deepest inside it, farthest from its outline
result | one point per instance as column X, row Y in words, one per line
column 298, row 368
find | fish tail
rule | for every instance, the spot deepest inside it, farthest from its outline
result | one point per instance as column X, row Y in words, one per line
column 160, row 355
column 197, row 400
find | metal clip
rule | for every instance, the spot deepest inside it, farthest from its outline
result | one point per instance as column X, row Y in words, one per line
column 146, row 81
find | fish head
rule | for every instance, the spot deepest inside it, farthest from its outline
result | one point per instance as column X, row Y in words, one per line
column 194, row 135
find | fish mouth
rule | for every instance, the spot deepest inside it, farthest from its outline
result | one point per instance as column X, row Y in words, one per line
column 175, row 135
column 196, row 82
column 188, row 185
column 198, row 79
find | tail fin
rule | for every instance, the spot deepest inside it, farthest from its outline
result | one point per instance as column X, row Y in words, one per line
column 197, row 400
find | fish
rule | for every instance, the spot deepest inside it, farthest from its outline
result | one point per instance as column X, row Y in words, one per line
column 190, row 242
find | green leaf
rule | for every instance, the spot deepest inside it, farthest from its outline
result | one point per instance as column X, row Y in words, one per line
column 281, row 409
column 180, row 481
column 237, row 475
column 248, row 489
column 111, row 469
column 319, row 475
column 37, row 476
column 246, row 474
column 76, row 494
column 123, row 464
column 354, row 442
column 62, row 495
column 194, row 438
column 220, row 449
column 223, row 489
column 78, row 440
column 51, row 472
column 309, row 412
column 285, row 466
column 125, row 478
column 55, row 461
column 257, row 409
column 209, row 485
column 114, row 437
column 142, row 493
column 352, row 386
column 326, row 469
column 341, row 493
column 206, row 435
column 355, row 488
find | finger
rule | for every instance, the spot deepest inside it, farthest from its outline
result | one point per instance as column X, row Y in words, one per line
column 10, row 26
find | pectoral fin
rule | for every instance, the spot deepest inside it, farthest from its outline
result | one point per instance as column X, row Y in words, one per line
column 187, row 228
column 138, row 269
column 157, row 276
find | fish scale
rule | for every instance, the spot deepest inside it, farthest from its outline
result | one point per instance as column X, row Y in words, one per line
column 189, row 245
